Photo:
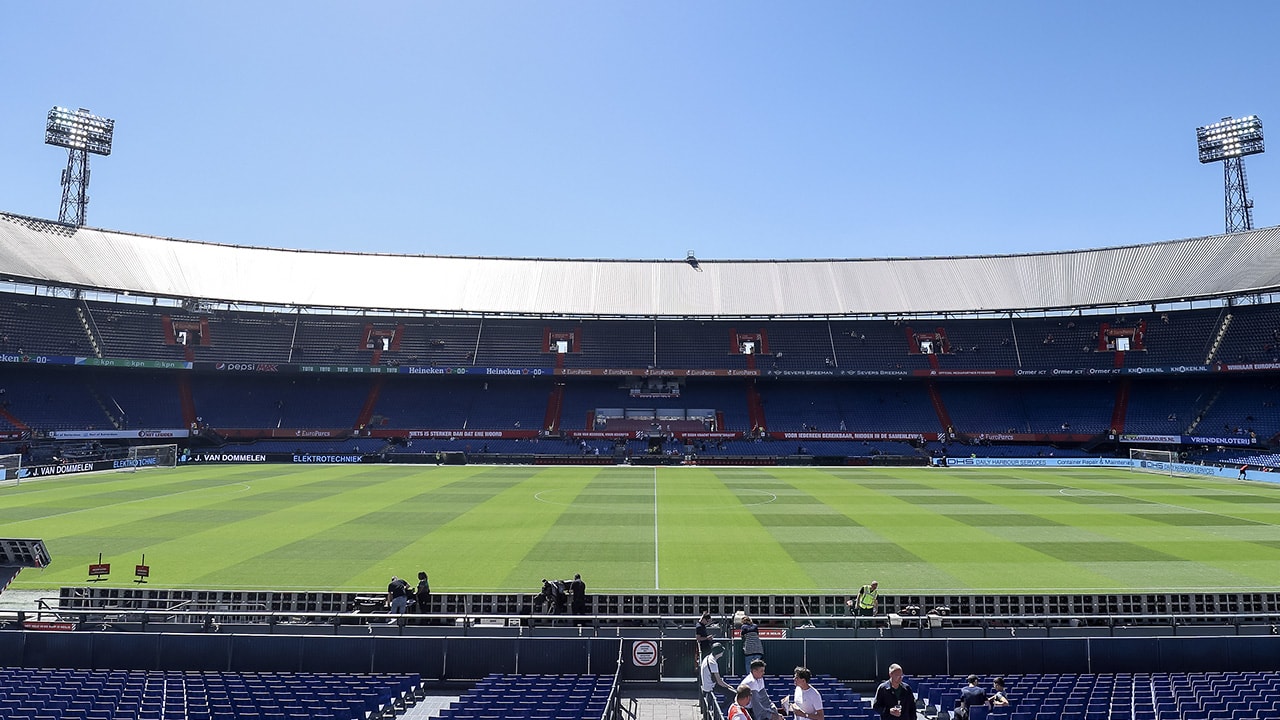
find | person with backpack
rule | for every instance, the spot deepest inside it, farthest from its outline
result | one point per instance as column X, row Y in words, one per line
column 709, row 674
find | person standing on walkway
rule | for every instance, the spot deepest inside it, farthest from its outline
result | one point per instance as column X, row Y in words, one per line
column 578, row 594
column 762, row 707
column 806, row 701
column 752, row 648
column 702, row 636
column 709, row 673
column 894, row 698
column 423, row 594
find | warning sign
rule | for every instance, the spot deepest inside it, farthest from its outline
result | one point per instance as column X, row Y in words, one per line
column 644, row 653
column 766, row 634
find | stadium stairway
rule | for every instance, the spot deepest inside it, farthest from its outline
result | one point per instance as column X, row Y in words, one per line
column 940, row 407
column 544, row 697
column 755, row 407
column 429, row 707
column 188, row 404
column 370, row 402
column 4, row 413
column 555, row 402
column 1122, row 405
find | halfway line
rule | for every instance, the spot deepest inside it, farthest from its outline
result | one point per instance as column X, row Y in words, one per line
column 656, row 585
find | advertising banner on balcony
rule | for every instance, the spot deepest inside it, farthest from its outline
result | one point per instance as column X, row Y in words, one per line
column 150, row 434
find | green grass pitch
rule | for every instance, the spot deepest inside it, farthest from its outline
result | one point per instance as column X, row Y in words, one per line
column 643, row 530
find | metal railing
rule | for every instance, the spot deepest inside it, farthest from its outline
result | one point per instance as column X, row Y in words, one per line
column 211, row 617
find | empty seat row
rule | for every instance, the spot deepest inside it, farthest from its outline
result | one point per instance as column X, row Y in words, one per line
column 95, row 695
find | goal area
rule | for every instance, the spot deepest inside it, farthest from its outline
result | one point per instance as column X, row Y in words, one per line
column 9, row 466
column 149, row 456
column 1154, row 461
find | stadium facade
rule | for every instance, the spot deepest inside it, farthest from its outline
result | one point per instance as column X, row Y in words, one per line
column 624, row 358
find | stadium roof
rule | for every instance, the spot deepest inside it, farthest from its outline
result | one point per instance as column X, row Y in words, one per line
column 44, row 252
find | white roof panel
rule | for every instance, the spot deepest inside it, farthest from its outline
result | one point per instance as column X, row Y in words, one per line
column 1218, row 265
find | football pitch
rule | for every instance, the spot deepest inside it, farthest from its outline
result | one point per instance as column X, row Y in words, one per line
column 647, row 530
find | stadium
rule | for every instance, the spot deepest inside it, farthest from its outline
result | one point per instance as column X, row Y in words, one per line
column 1055, row 464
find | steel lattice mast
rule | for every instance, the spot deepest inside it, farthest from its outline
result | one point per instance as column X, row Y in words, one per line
column 81, row 133
column 1228, row 141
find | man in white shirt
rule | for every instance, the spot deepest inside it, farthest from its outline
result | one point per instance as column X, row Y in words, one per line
column 710, row 674
column 762, row 707
column 805, row 702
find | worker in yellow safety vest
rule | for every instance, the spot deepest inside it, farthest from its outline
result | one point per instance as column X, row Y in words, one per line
column 865, row 602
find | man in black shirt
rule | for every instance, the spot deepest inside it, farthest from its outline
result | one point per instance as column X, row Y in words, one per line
column 971, row 695
column 397, row 596
column 894, row 698
column 578, row 589
column 423, row 593
column 702, row 634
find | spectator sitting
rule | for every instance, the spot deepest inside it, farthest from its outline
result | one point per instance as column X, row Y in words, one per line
column 970, row 695
column 997, row 698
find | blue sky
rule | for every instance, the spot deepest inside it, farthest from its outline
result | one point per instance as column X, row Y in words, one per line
column 738, row 129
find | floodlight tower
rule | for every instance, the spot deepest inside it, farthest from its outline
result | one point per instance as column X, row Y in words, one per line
column 1229, row 140
column 81, row 133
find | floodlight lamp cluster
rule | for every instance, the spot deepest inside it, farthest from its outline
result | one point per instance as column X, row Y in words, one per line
column 1230, row 138
column 79, row 130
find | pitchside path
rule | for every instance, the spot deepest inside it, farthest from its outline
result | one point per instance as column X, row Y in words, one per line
column 23, row 599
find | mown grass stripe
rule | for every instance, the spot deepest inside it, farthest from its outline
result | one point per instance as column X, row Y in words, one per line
column 631, row 530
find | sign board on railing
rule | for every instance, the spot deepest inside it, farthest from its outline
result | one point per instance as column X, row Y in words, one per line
column 644, row 653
